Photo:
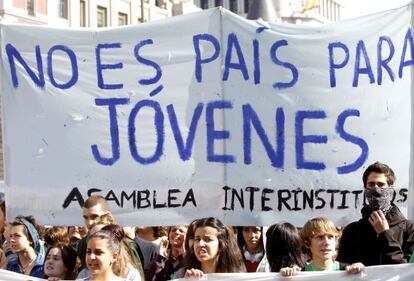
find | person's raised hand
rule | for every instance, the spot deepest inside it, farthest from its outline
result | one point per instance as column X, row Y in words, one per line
column 164, row 247
column 355, row 268
column 193, row 273
column 290, row 271
column 378, row 221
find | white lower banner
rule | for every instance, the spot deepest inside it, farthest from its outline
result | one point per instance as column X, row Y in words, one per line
column 378, row 273
column 13, row 276
column 403, row 272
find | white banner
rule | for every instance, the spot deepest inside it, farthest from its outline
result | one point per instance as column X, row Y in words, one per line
column 13, row 276
column 403, row 272
column 249, row 122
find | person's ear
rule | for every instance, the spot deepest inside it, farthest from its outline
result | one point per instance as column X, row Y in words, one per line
column 114, row 257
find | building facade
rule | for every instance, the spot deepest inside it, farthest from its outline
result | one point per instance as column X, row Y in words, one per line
column 90, row 13
column 310, row 12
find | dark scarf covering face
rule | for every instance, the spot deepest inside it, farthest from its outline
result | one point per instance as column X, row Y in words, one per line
column 379, row 198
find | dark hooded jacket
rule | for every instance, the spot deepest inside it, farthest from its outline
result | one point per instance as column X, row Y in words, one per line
column 360, row 242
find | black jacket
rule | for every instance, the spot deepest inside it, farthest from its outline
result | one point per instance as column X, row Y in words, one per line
column 360, row 242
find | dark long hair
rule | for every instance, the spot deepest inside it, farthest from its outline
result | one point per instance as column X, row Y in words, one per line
column 189, row 235
column 283, row 247
column 230, row 258
column 69, row 258
column 240, row 237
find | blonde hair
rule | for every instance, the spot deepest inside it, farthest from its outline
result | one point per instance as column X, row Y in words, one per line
column 120, row 268
column 314, row 227
column 124, row 259
column 3, row 260
column 106, row 219
column 102, row 221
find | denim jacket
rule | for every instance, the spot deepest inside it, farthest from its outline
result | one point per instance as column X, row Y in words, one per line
column 37, row 270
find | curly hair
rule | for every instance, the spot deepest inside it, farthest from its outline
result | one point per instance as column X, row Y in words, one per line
column 56, row 234
column 32, row 220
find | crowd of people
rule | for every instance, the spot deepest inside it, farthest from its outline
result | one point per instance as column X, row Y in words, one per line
column 104, row 250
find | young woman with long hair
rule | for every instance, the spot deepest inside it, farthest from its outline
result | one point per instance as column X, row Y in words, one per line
column 250, row 240
column 283, row 247
column 102, row 252
column 60, row 262
column 214, row 250
column 128, row 264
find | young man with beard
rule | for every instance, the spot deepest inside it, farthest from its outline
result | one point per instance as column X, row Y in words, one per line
column 383, row 235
